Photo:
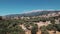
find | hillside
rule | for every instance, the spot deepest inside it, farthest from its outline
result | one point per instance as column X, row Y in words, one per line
column 37, row 25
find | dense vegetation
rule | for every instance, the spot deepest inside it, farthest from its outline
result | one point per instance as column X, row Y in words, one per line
column 12, row 26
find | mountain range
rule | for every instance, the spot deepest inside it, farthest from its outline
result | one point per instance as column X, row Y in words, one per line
column 31, row 14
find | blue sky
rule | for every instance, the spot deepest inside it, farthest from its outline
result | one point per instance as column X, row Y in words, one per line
column 21, row 6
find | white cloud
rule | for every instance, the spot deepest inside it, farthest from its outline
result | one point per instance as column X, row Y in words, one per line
column 29, row 11
column 38, row 10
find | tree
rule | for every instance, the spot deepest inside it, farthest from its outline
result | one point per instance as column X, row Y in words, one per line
column 34, row 29
column 44, row 30
column 16, row 30
column 58, row 27
column 49, row 27
column 10, row 27
column 0, row 17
